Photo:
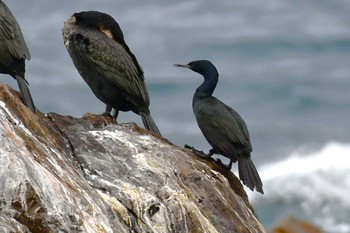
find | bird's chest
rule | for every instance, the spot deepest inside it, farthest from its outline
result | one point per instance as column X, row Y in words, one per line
column 204, row 111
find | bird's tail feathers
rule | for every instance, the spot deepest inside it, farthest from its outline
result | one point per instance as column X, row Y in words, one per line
column 149, row 123
column 249, row 175
column 26, row 96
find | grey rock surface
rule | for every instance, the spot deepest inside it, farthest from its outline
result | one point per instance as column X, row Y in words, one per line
column 65, row 174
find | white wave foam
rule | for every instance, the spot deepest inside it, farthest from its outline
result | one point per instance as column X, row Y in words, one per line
column 315, row 184
column 333, row 157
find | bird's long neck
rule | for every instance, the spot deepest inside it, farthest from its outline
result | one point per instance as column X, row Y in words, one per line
column 207, row 88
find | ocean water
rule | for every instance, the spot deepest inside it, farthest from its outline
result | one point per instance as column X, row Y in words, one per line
column 283, row 64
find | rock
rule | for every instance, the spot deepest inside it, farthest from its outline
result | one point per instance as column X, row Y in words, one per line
column 65, row 174
column 293, row 225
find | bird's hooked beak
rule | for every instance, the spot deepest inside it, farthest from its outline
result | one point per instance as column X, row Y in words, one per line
column 185, row 66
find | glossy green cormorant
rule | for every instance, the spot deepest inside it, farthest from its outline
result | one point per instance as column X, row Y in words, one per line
column 223, row 127
column 96, row 45
column 14, row 52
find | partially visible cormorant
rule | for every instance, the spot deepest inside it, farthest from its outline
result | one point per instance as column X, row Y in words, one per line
column 96, row 45
column 14, row 52
column 223, row 127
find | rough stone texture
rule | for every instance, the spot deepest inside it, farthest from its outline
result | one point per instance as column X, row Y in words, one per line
column 65, row 174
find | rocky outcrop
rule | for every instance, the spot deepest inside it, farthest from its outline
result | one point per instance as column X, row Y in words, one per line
column 293, row 225
column 65, row 174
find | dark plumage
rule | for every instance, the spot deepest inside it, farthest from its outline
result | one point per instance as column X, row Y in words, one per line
column 96, row 45
column 223, row 127
column 14, row 52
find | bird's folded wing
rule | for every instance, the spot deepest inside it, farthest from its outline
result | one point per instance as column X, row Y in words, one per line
column 240, row 124
column 110, row 59
column 229, row 123
column 11, row 35
column 6, row 28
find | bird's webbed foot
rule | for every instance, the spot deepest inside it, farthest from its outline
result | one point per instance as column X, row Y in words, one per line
column 200, row 153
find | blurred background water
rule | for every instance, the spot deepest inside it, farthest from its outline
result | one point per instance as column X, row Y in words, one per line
column 283, row 64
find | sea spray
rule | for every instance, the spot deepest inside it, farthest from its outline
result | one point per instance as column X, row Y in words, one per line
column 313, row 186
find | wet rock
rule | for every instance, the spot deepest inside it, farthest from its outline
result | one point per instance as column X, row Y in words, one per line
column 293, row 225
column 65, row 174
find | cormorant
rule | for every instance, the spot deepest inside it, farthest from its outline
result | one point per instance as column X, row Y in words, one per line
column 95, row 42
column 14, row 52
column 223, row 127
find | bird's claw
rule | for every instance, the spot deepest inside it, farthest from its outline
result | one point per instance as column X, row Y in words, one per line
column 200, row 153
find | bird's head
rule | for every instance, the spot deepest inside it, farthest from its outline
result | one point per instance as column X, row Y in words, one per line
column 101, row 22
column 202, row 67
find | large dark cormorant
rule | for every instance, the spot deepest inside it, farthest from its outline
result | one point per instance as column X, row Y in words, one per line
column 223, row 127
column 14, row 52
column 96, row 45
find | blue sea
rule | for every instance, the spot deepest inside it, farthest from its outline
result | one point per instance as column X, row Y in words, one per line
column 284, row 66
